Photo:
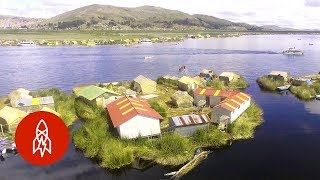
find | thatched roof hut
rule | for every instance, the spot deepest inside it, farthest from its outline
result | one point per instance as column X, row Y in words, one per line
column 144, row 85
column 228, row 76
column 46, row 109
column 182, row 99
column 17, row 95
column 10, row 118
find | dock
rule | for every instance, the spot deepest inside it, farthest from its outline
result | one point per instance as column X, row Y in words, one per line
column 189, row 166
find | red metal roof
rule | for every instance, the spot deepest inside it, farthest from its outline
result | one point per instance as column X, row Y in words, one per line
column 234, row 101
column 215, row 92
column 126, row 108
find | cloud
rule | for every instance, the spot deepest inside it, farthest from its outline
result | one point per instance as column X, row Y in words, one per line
column 312, row 3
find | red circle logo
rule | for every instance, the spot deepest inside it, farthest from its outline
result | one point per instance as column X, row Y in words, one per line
column 42, row 138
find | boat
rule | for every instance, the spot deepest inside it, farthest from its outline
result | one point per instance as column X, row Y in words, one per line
column 310, row 44
column 292, row 51
column 7, row 146
column 26, row 43
column 283, row 88
column 318, row 97
column 148, row 57
column 145, row 41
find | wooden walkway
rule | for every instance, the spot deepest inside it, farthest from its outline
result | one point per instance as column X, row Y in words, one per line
column 189, row 166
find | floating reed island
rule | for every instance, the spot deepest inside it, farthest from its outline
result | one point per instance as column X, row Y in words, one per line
column 185, row 111
column 98, row 37
column 163, row 122
column 304, row 87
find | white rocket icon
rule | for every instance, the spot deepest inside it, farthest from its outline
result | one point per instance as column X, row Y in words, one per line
column 42, row 142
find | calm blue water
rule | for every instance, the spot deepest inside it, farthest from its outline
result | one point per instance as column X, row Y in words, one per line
column 285, row 146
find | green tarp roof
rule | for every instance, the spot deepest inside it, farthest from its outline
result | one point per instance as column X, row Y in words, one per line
column 92, row 92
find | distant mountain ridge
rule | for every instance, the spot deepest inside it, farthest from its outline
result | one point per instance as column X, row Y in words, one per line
column 17, row 22
column 145, row 17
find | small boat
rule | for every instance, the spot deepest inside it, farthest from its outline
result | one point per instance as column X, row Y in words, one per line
column 148, row 57
column 293, row 51
column 318, row 97
column 145, row 41
column 283, row 88
column 26, row 43
column 310, row 44
column 6, row 147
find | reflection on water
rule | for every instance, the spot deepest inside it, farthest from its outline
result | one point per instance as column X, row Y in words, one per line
column 313, row 107
column 284, row 146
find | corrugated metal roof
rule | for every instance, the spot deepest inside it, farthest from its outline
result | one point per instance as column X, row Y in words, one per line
column 234, row 102
column 126, row 108
column 215, row 92
column 192, row 119
column 34, row 101
column 92, row 92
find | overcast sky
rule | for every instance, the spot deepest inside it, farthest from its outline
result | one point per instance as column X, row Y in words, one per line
column 303, row 14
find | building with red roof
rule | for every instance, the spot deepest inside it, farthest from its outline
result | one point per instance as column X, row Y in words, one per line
column 212, row 96
column 134, row 118
column 232, row 107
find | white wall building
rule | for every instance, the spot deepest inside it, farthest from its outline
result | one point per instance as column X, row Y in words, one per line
column 232, row 107
column 134, row 118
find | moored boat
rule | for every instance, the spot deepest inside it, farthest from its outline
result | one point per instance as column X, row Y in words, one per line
column 283, row 88
column 26, row 43
column 293, row 51
column 318, row 97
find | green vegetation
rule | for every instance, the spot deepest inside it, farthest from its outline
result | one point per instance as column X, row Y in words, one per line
column 269, row 84
column 64, row 103
column 97, row 138
column 145, row 17
column 167, row 82
column 244, row 126
column 239, row 83
column 304, row 92
column 162, row 111
column 316, row 87
column 211, row 137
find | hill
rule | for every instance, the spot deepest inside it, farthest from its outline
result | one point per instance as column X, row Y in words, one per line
column 144, row 17
column 15, row 22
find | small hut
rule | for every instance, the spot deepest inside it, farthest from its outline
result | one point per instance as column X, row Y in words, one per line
column 228, row 76
column 212, row 96
column 188, row 83
column 17, row 95
column 97, row 95
column 10, row 118
column 231, row 107
column 182, row 99
column 280, row 75
column 134, row 118
column 34, row 104
column 301, row 81
column 46, row 109
column 207, row 74
column 144, row 85
column 187, row 125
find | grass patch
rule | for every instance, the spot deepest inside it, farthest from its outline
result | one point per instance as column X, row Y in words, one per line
column 64, row 103
column 235, row 84
column 211, row 137
column 269, row 84
column 304, row 92
column 244, row 126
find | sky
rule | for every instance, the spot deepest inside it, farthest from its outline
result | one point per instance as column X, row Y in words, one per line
column 300, row 14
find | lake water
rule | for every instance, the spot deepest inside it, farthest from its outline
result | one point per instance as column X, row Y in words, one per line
column 285, row 145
